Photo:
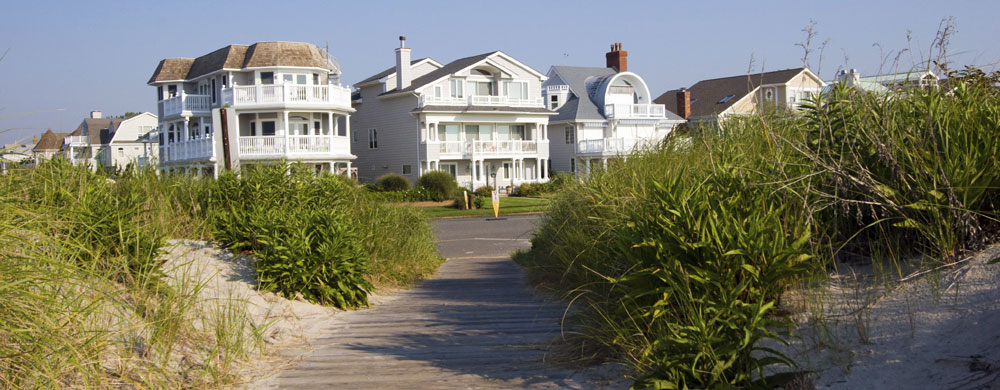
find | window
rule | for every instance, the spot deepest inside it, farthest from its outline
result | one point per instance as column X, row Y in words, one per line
column 171, row 91
column 437, row 91
column 407, row 169
column 572, row 165
column 769, row 94
column 555, row 101
column 208, row 130
column 267, row 77
column 725, row 99
column 301, row 79
column 503, row 132
column 354, row 136
column 225, row 81
column 516, row 90
column 316, row 127
column 506, row 170
column 315, row 78
column 452, row 169
column 159, row 93
column 480, row 88
column 121, row 152
column 213, row 90
column 517, row 132
column 456, row 88
column 570, row 135
column 253, row 129
column 447, row 132
column 267, row 128
column 372, row 139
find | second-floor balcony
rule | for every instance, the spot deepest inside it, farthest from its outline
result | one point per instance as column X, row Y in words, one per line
column 620, row 111
column 75, row 140
column 278, row 95
column 475, row 148
column 186, row 104
column 187, row 150
column 481, row 100
column 293, row 146
column 606, row 146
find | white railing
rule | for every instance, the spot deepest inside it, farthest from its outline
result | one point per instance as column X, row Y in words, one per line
column 454, row 147
column 191, row 149
column 634, row 111
column 498, row 101
column 250, row 95
column 184, row 102
column 75, row 140
column 308, row 144
column 556, row 88
column 504, row 147
column 275, row 145
column 605, row 146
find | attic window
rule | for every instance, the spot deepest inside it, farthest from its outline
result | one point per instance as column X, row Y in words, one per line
column 725, row 99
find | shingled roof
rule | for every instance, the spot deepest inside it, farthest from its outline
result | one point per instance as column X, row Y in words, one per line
column 260, row 54
column 49, row 141
column 387, row 72
column 448, row 69
column 708, row 97
column 98, row 131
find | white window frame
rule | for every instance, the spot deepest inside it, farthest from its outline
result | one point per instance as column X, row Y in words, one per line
column 457, row 86
column 373, row 138
column 570, row 135
column 523, row 87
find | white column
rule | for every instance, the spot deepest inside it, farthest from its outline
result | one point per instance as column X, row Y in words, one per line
column 538, row 169
column 332, row 128
column 348, row 168
column 347, row 125
column 285, row 116
column 604, row 164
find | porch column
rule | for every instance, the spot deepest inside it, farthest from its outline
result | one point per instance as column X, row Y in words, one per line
column 347, row 125
column 284, row 115
column 348, row 168
column 538, row 169
column 482, row 172
column 604, row 164
column 332, row 128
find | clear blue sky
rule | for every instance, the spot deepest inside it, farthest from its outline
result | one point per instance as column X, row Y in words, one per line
column 75, row 56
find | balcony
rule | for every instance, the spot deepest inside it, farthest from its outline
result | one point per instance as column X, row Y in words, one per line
column 620, row 111
column 293, row 146
column 186, row 104
column 553, row 89
column 306, row 96
column 605, row 146
column 187, row 150
column 491, row 101
column 75, row 140
column 486, row 148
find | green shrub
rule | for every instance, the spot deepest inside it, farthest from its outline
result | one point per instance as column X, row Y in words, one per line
column 480, row 201
column 440, row 184
column 418, row 194
column 484, row 191
column 392, row 182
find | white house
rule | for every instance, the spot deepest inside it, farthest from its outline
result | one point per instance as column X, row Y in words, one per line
column 603, row 113
column 276, row 101
column 472, row 117
column 128, row 142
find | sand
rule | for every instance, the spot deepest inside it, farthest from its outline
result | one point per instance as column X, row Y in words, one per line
column 938, row 330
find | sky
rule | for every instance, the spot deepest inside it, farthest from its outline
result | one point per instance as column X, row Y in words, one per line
column 64, row 59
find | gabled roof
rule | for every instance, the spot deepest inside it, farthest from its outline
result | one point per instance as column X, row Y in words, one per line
column 580, row 106
column 711, row 97
column 444, row 71
column 98, row 131
column 260, row 54
column 49, row 141
column 388, row 72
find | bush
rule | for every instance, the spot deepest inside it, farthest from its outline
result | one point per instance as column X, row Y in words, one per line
column 479, row 201
column 440, row 184
column 484, row 191
column 392, row 182
column 532, row 189
column 418, row 194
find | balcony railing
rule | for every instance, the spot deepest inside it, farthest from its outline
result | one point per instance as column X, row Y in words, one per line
column 186, row 103
column 259, row 95
column 493, row 101
column 191, row 149
column 634, row 111
column 610, row 146
column 488, row 147
column 274, row 146
column 556, row 88
column 75, row 140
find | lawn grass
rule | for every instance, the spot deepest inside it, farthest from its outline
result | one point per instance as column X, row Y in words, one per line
column 508, row 206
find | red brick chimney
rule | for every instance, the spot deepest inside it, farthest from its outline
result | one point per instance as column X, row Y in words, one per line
column 617, row 58
column 684, row 103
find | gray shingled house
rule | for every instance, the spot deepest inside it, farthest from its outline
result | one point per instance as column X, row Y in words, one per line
column 602, row 114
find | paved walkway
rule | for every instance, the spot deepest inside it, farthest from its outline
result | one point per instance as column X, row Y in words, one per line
column 474, row 325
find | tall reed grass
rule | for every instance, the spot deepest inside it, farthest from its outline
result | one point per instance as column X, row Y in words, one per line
column 678, row 256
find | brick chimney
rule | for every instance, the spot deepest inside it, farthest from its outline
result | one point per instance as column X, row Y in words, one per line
column 95, row 114
column 403, row 74
column 684, row 103
column 617, row 58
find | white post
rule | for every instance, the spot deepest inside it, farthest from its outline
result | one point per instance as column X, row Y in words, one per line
column 348, row 169
column 332, row 128
column 285, row 116
column 538, row 169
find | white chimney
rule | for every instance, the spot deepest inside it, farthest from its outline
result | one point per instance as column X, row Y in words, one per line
column 403, row 76
column 95, row 114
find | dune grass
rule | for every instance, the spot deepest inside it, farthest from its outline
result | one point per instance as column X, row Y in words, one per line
column 677, row 258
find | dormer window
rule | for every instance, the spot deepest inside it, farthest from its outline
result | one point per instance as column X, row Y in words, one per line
column 725, row 99
column 554, row 101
